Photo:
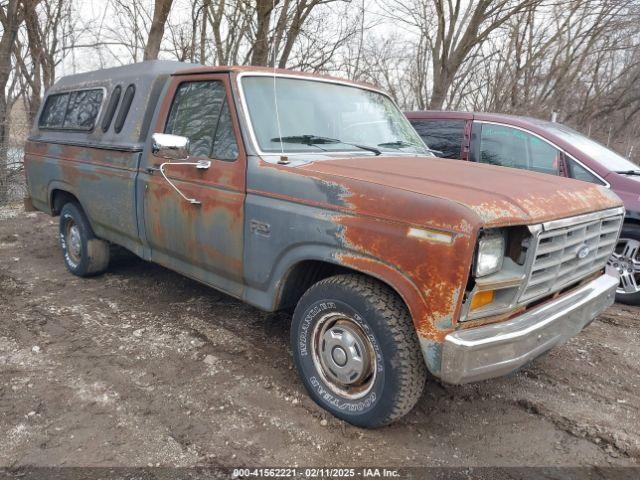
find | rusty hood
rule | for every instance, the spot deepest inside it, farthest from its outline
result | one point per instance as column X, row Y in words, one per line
column 497, row 195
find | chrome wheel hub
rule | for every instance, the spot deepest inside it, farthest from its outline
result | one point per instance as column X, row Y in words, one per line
column 626, row 261
column 343, row 355
column 74, row 242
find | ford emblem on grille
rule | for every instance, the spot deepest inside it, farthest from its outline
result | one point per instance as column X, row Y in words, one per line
column 582, row 252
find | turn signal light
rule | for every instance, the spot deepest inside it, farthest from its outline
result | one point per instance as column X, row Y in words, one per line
column 481, row 299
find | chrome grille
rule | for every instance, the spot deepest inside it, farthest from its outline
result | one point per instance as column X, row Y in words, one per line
column 557, row 263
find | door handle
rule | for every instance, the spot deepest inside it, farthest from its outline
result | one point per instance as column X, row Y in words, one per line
column 152, row 170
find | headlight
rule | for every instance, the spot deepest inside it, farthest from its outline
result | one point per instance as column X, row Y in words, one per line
column 490, row 253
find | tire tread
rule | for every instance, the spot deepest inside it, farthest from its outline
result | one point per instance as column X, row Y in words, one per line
column 411, row 370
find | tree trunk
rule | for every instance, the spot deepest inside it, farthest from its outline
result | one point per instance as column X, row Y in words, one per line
column 10, row 23
column 442, row 81
column 156, row 32
column 260, row 50
column 36, row 50
column 203, row 31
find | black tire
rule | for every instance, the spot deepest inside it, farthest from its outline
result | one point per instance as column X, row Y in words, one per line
column 630, row 231
column 400, row 372
column 84, row 254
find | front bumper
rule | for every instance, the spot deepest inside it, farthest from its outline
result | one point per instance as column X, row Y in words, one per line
column 494, row 350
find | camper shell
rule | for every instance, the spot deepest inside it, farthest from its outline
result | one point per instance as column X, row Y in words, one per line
column 146, row 80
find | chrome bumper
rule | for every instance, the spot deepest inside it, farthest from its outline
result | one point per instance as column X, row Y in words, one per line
column 494, row 350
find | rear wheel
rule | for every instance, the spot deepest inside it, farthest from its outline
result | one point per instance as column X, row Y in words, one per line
column 626, row 261
column 84, row 254
column 356, row 350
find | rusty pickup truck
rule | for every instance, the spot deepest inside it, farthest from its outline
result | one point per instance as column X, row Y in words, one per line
column 314, row 194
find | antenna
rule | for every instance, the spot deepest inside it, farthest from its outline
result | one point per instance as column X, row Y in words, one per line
column 284, row 160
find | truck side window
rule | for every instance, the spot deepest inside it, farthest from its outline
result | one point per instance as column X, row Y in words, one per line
column 443, row 135
column 578, row 172
column 199, row 112
column 511, row 147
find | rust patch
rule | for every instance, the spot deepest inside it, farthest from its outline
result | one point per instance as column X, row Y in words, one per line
column 434, row 272
column 498, row 196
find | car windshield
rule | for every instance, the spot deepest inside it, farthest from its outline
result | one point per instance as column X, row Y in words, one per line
column 318, row 116
column 598, row 152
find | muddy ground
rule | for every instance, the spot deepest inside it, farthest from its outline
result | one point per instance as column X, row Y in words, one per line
column 142, row 366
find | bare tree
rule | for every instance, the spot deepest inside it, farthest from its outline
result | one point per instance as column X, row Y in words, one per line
column 451, row 29
column 580, row 58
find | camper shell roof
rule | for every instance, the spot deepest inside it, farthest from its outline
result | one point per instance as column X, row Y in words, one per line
column 149, row 78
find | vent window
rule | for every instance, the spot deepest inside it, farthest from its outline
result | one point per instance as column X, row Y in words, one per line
column 124, row 107
column 111, row 108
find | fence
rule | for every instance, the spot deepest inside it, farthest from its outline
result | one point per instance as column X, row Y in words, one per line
column 12, row 180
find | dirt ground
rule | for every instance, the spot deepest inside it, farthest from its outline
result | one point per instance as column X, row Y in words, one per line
column 142, row 366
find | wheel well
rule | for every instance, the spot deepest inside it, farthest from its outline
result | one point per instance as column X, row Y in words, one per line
column 632, row 221
column 59, row 198
column 308, row 272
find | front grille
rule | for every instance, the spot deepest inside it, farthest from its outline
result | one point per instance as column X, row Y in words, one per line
column 556, row 263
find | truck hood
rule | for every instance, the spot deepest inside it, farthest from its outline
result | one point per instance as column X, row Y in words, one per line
column 497, row 195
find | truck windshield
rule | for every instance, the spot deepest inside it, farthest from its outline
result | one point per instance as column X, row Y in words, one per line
column 598, row 152
column 316, row 109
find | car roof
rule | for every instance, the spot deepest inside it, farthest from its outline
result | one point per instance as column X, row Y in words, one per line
column 516, row 120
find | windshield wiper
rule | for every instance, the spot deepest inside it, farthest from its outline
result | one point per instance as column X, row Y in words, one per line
column 628, row 172
column 402, row 143
column 314, row 140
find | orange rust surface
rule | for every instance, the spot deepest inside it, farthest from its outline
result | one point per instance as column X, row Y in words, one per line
column 498, row 196
column 437, row 271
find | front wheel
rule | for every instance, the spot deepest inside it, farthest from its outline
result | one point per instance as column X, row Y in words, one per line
column 626, row 260
column 356, row 350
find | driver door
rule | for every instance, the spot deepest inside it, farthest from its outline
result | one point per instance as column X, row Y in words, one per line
column 203, row 241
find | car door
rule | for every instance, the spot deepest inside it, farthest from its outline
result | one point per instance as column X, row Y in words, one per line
column 205, row 240
column 507, row 146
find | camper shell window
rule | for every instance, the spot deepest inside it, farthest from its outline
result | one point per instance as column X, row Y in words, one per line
column 111, row 108
column 76, row 110
column 124, row 107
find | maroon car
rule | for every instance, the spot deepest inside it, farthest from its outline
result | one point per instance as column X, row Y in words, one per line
column 548, row 147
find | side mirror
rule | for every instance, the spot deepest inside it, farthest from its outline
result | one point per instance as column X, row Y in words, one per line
column 170, row 147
